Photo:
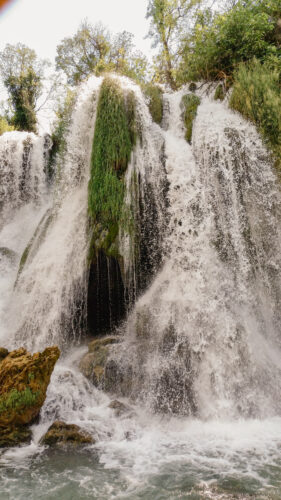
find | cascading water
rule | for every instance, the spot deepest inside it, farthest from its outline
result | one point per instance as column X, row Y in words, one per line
column 202, row 342
column 204, row 339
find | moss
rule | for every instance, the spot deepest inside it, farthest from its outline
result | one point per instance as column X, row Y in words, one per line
column 155, row 101
column 113, row 141
column 219, row 93
column 189, row 104
column 18, row 399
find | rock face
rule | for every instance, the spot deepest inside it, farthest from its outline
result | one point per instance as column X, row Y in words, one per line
column 62, row 434
column 93, row 364
column 24, row 379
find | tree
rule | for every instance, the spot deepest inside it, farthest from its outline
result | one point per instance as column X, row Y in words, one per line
column 93, row 50
column 22, row 73
column 168, row 17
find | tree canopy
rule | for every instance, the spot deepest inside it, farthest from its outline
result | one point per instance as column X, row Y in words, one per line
column 94, row 50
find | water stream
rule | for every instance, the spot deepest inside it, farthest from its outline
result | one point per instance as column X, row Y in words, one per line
column 202, row 343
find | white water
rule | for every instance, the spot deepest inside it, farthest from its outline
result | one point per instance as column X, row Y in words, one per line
column 208, row 340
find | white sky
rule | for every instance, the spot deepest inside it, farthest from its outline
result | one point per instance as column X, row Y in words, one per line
column 42, row 24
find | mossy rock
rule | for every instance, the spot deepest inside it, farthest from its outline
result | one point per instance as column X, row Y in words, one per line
column 65, row 435
column 219, row 93
column 93, row 364
column 154, row 96
column 24, row 379
column 14, row 436
column 189, row 105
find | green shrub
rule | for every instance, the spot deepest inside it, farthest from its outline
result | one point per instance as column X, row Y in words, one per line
column 155, row 101
column 256, row 95
column 219, row 43
column 189, row 104
column 114, row 138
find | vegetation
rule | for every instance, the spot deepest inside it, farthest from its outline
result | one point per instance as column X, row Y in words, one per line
column 22, row 74
column 60, row 126
column 190, row 103
column 168, row 17
column 114, row 138
column 256, row 95
column 17, row 399
column 93, row 50
column 5, row 126
column 154, row 96
column 218, row 43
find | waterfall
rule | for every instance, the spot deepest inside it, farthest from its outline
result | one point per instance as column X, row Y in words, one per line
column 204, row 338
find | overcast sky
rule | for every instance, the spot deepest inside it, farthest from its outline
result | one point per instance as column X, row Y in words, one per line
column 42, row 24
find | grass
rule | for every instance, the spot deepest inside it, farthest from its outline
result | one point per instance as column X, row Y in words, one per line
column 4, row 126
column 189, row 104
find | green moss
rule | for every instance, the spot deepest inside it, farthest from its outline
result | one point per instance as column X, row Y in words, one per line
column 18, row 399
column 189, row 104
column 113, row 141
column 155, row 101
column 219, row 93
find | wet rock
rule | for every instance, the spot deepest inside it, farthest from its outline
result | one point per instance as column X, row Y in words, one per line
column 3, row 353
column 14, row 436
column 62, row 434
column 93, row 364
column 24, row 379
column 119, row 408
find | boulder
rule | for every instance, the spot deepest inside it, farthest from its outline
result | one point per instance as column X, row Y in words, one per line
column 62, row 434
column 24, row 379
column 93, row 364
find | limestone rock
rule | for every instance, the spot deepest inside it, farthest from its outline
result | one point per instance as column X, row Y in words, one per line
column 24, row 379
column 93, row 364
column 62, row 434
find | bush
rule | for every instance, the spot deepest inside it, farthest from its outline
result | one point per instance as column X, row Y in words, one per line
column 189, row 103
column 218, row 44
column 256, row 95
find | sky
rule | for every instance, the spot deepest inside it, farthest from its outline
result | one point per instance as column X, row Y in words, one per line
column 42, row 24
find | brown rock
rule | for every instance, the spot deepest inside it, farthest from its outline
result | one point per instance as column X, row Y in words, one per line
column 3, row 353
column 62, row 434
column 24, row 379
